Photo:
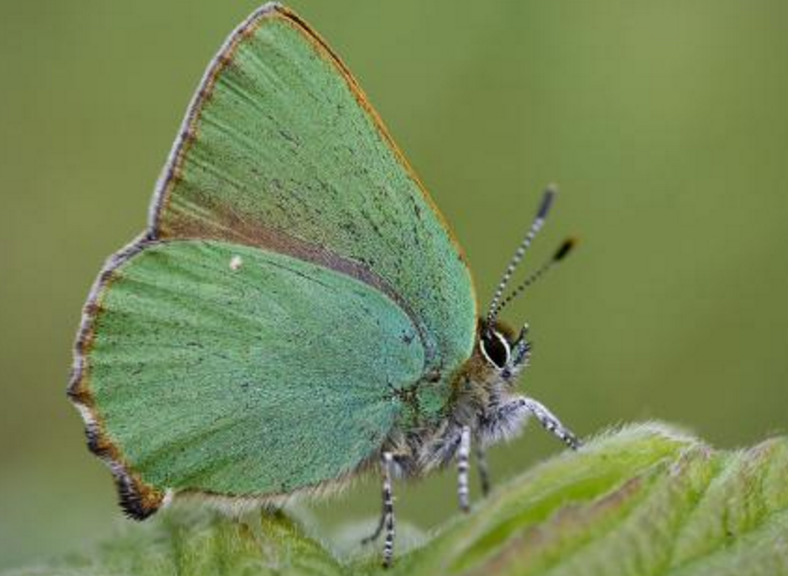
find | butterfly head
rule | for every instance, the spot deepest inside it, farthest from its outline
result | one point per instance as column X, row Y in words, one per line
column 503, row 351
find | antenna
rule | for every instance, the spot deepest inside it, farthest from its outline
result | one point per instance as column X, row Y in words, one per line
column 559, row 255
column 536, row 225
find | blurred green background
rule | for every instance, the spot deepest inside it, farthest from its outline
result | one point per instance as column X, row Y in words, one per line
column 665, row 123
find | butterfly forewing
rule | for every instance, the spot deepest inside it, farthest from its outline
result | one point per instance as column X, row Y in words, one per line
column 280, row 149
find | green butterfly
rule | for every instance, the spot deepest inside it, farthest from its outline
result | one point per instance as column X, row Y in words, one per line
column 297, row 311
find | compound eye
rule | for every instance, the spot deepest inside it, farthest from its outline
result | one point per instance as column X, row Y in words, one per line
column 495, row 349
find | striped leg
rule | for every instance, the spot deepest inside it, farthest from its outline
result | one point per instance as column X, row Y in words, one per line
column 484, row 472
column 550, row 422
column 463, row 457
column 388, row 511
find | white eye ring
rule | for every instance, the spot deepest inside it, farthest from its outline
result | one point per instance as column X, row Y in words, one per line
column 506, row 347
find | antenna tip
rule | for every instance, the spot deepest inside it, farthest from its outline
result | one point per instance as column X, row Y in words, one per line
column 547, row 201
column 564, row 249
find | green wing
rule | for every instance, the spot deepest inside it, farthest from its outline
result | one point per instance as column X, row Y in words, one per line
column 280, row 149
column 219, row 368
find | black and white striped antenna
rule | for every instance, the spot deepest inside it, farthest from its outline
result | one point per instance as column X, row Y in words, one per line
column 560, row 254
column 499, row 301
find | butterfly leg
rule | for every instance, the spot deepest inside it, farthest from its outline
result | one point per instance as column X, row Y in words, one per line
column 505, row 420
column 387, row 514
column 550, row 422
column 463, row 464
column 387, row 520
column 484, row 472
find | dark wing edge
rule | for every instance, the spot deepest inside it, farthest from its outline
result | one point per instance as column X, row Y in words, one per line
column 137, row 499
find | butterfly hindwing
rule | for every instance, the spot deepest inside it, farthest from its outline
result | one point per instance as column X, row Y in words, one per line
column 225, row 369
column 280, row 149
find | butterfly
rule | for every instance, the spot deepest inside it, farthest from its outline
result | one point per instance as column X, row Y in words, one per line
column 297, row 311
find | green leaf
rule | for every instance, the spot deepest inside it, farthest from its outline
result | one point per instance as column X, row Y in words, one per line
column 647, row 499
